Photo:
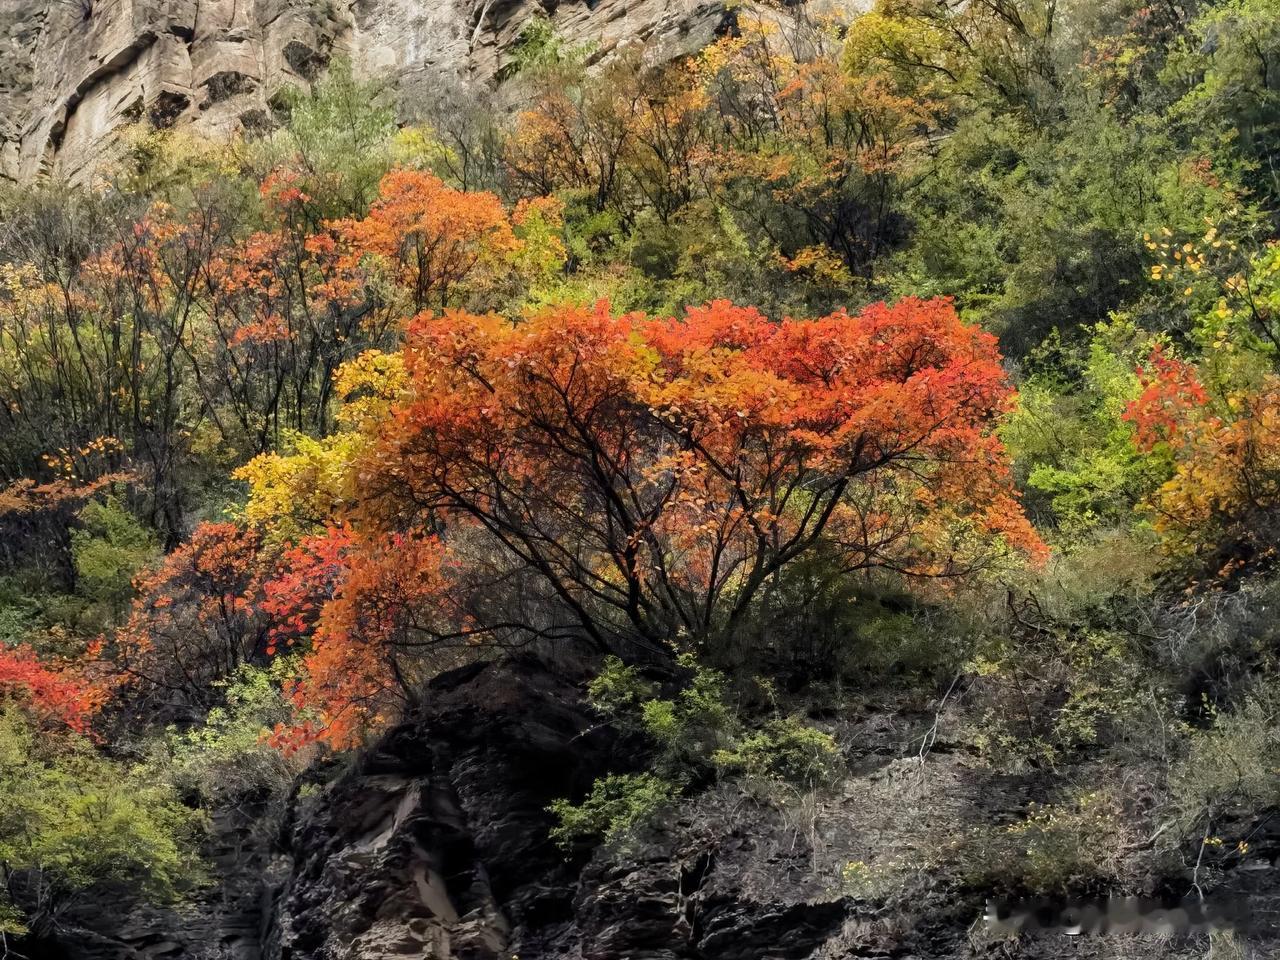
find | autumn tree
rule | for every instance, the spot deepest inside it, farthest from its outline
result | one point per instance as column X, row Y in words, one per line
column 377, row 608
column 766, row 122
column 989, row 51
column 669, row 137
column 56, row 697
column 285, row 306
column 638, row 480
column 1225, row 483
column 628, row 136
column 36, row 518
column 197, row 618
column 824, row 146
column 430, row 238
column 575, row 128
column 78, row 381
column 97, row 332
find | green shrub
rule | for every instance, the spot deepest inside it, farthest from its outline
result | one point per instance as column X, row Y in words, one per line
column 820, row 622
column 20, row 609
column 686, row 729
column 1068, row 436
column 73, row 818
column 618, row 807
column 539, row 47
column 619, row 692
column 1073, row 846
column 787, row 750
column 691, row 727
column 1232, row 766
column 1045, row 697
column 109, row 548
column 1066, row 845
column 226, row 757
column 696, row 736
column 886, row 879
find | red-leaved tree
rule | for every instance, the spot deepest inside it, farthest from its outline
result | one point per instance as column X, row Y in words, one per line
column 54, row 697
column 197, row 618
column 630, row 481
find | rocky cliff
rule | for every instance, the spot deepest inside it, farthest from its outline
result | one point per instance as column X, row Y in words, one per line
column 434, row 844
column 72, row 72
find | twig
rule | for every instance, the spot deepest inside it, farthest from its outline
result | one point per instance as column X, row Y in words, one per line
column 1148, row 843
column 1195, row 874
column 931, row 735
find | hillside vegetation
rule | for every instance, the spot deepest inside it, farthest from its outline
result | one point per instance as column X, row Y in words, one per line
column 915, row 373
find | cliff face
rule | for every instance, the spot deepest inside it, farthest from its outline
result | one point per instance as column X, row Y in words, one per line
column 434, row 844
column 72, row 72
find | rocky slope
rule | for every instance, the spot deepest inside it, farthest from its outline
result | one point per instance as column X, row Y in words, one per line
column 434, row 844
column 72, row 72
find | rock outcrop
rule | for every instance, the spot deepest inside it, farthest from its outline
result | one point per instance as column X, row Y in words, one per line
column 73, row 72
column 437, row 846
column 434, row 844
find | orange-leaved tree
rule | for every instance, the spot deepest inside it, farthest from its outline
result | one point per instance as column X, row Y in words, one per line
column 432, row 237
column 368, row 606
column 283, row 309
column 1225, row 452
column 629, row 481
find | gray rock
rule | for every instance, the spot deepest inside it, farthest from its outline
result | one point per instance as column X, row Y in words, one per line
column 73, row 72
column 434, row 844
